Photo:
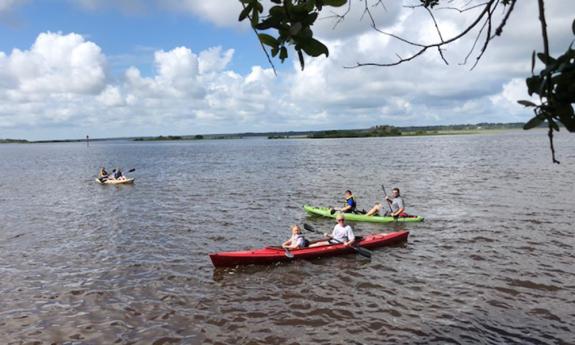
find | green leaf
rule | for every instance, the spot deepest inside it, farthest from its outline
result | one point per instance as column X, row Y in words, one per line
column 546, row 59
column 534, row 122
column 301, row 60
column 275, row 51
column 527, row 103
column 310, row 18
column 259, row 7
column 313, row 47
column 567, row 116
column 334, row 3
column 283, row 54
column 277, row 11
column 532, row 62
column 255, row 17
column 268, row 23
column 553, row 124
column 295, row 29
column 268, row 40
column 245, row 12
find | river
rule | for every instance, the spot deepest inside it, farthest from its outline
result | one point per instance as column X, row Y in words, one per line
column 83, row 263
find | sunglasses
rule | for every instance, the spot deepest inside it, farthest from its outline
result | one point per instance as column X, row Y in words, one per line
column 340, row 220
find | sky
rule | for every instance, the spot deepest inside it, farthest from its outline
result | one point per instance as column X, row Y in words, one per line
column 124, row 68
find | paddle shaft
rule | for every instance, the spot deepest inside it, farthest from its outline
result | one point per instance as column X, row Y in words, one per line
column 385, row 195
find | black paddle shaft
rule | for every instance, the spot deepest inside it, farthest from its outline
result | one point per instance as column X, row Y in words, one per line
column 385, row 195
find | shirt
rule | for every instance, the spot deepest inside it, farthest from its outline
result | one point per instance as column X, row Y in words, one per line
column 342, row 234
column 397, row 203
column 298, row 239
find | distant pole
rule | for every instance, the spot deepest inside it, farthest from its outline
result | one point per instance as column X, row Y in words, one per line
column 87, row 140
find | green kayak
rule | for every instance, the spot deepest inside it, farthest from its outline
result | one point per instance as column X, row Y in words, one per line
column 324, row 211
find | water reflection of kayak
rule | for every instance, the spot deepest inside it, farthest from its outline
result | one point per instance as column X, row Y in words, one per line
column 326, row 212
column 120, row 181
column 275, row 254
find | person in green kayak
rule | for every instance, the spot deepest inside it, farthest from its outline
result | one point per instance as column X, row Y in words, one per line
column 350, row 204
column 395, row 203
column 297, row 240
column 341, row 233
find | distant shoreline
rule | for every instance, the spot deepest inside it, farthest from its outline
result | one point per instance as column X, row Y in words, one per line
column 376, row 131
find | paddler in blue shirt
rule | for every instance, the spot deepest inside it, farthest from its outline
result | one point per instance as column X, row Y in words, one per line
column 349, row 206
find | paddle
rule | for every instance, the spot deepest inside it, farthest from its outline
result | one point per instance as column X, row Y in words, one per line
column 385, row 195
column 288, row 253
column 361, row 251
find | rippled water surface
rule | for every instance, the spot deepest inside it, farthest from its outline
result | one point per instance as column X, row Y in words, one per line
column 493, row 263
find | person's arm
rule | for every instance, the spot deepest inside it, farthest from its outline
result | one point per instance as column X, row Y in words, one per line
column 345, row 208
column 350, row 236
column 286, row 243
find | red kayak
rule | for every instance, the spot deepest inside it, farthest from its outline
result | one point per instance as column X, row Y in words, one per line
column 275, row 254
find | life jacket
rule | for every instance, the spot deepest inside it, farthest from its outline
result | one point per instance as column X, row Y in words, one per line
column 353, row 203
column 305, row 240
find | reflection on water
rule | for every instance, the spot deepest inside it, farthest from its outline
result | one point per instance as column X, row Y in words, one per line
column 83, row 263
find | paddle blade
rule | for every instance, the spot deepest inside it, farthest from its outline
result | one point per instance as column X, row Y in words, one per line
column 362, row 251
column 308, row 227
column 288, row 253
column 132, row 170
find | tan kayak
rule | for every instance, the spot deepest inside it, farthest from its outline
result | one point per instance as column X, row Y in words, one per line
column 120, row 181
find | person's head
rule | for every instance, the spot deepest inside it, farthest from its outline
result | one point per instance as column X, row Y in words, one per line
column 395, row 191
column 340, row 218
column 347, row 193
column 295, row 229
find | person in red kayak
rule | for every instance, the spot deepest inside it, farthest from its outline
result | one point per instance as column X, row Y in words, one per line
column 341, row 233
column 349, row 206
column 297, row 240
column 396, row 204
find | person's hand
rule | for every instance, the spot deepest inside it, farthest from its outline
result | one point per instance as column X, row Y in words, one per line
column 325, row 234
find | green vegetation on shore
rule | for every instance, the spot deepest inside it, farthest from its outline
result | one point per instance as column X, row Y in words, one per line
column 170, row 138
column 376, row 131
column 13, row 141
column 386, row 131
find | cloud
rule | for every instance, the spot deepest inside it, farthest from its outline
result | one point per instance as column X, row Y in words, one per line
column 7, row 5
column 63, row 80
column 49, row 82
column 212, row 11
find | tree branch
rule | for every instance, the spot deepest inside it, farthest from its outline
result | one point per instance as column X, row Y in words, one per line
column 486, row 12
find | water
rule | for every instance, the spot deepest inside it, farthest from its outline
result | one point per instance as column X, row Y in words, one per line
column 82, row 263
